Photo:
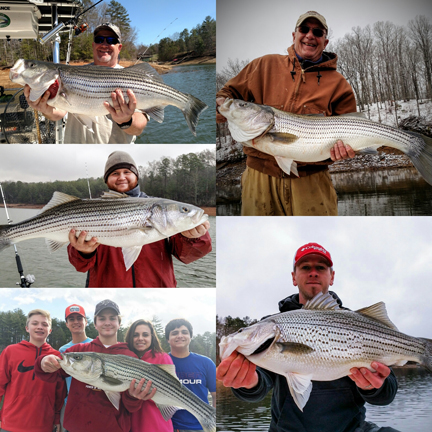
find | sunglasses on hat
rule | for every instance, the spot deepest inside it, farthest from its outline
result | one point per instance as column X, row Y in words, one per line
column 110, row 40
column 317, row 32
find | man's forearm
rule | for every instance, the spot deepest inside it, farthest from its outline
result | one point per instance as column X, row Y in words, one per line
column 139, row 122
column 55, row 115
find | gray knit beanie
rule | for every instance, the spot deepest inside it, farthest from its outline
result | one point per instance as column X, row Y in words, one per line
column 117, row 160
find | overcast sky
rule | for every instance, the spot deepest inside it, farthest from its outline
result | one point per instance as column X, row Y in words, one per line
column 48, row 162
column 247, row 29
column 375, row 259
column 196, row 305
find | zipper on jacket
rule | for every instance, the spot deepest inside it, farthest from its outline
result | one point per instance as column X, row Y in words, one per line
column 37, row 355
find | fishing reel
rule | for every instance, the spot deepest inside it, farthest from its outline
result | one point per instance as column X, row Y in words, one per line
column 26, row 281
column 80, row 29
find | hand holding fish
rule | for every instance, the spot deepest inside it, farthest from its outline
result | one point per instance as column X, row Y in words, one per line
column 121, row 112
column 41, row 105
column 341, row 151
column 368, row 380
column 237, row 371
column 198, row 231
column 139, row 392
column 80, row 243
column 50, row 364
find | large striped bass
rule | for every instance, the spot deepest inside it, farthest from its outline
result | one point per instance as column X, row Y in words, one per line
column 322, row 342
column 114, row 373
column 293, row 137
column 82, row 90
column 115, row 219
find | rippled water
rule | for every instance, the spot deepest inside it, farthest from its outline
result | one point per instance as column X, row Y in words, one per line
column 411, row 410
column 53, row 270
column 393, row 192
column 198, row 80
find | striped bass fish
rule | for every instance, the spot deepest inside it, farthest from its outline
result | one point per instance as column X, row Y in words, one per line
column 322, row 342
column 292, row 137
column 114, row 373
column 115, row 219
column 82, row 90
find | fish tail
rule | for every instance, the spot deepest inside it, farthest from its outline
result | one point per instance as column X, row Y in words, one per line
column 421, row 155
column 4, row 239
column 427, row 357
column 194, row 107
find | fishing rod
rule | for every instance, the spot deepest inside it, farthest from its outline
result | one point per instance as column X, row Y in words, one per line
column 140, row 55
column 52, row 33
column 25, row 281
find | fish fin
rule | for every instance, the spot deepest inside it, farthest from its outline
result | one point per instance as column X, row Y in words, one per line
column 366, row 151
column 322, row 301
column 111, row 380
column 113, row 194
column 167, row 411
column 287, row 165
column 420, row 154
column 284, row 138
column 300, row 387
column 86, row 121
column 426, row 358
column 294, row 348
column 193, row 109
column 146, row 69
column 130, row 255
column 57, row 199
column 157, row 113
column 54, row 245
column 4, row 241
column 169, row 368
column 114, row 398
column 360, row 115
column 378, row 312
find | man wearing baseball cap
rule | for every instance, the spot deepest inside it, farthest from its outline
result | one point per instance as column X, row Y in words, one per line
column 76, row 322
column 303, row 82
column 154, row 266
column 88, row 408
column 122, row 124
column 339, row 402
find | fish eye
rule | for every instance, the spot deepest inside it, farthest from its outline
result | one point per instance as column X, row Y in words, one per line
column 184, row 209
column 240, row 330
column 78, row 357
column 242, row 104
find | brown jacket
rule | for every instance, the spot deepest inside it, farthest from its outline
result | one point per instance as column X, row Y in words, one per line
column 279, row 81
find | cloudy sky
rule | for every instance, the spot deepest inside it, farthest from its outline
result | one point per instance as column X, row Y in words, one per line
column 196, row 305
column 40, row 163
column 247, row 29
column 375, row 259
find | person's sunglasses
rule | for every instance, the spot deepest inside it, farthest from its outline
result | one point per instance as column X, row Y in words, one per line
column 317, row 32
column 110, row 40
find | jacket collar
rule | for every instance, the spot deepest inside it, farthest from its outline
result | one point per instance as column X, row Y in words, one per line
column 292, row 302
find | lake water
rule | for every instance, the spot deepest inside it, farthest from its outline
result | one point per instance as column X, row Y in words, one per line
column 198, row 80
column 392, row 192
column 53, row 270
column 411, row 410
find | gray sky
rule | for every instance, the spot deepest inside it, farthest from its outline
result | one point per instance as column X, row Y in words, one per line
column 247, row 29
column 196, row 305
column 375, row 259
column 48, row 162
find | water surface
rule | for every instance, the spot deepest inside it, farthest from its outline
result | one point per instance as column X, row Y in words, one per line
column 411, row 410
column 200, row 81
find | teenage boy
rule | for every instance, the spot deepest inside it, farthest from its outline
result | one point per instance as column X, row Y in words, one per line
column 88, row 408
column 196, row 372
column 29, row 404
column 76, row 322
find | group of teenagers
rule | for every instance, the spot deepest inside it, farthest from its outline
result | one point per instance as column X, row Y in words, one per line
column 39, row 396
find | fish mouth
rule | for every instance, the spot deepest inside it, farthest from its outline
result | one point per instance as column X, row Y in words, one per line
column 225, row 106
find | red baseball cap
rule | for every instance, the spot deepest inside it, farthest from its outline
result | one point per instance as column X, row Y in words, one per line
column 312, row 248
column 75, row 309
